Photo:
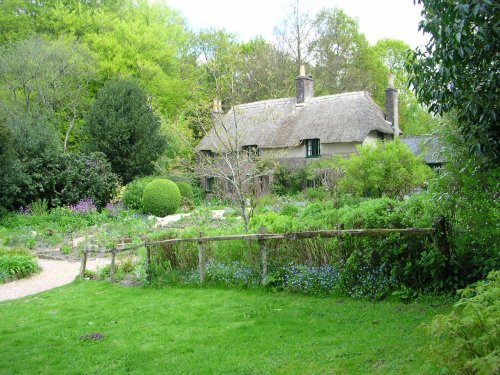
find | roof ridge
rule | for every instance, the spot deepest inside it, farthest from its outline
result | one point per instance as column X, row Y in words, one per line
column 342, row 95
column 262, row 102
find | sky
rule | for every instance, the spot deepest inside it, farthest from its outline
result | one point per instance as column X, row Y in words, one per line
column 378, row 19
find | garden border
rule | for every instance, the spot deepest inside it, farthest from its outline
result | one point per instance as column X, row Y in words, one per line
column 439, row 228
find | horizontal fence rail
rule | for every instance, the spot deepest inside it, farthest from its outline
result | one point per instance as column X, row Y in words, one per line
column 261, row 237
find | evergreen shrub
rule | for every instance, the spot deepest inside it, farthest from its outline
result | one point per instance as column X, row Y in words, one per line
column 161, row 197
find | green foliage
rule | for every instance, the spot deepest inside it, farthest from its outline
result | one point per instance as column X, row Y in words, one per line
column 39, row 207
column 16, row 264
column 274, row 222
column 457, row 70
column 290, row 209
column 466, row 193
column 287, row 181
column 344, row 61
column 317, row 194
column 122, row 125
column 185, row 189
column 413, row 118
column 467, row 340
column 54, row 82
column 161, row 197
column 32, row 155
column 389, row 169
column 132, row 197
column 85, row 176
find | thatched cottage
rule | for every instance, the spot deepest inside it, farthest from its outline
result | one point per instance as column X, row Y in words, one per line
column 296, row 130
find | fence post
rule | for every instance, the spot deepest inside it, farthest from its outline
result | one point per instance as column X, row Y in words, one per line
column 148, row 259
column 84, row 263
column 263, row 255
column 201, row 259
column 113, row 268
column 441, row 227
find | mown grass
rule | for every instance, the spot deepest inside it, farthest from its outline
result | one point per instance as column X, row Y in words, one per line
column 208, row 331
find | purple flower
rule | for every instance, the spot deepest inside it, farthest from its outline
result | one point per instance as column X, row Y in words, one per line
column 25, row 210
column 85, row 205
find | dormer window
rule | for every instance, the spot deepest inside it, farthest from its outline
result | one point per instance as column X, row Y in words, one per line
column 251, row 151
column 312, row 148
column 207, row 153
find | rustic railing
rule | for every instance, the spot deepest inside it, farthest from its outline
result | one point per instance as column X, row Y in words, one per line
column 262, row 237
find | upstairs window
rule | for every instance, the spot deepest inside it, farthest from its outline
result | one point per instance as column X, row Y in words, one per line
column 252, row 151
column 312, row 148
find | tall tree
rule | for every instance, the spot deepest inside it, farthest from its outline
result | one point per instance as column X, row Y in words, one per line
column 54, row 81
column 343, row 59
column 267, row 73
column 457, row 71
column 413, row 117
column 296, row 33
column 123, row 126
column 220, row 56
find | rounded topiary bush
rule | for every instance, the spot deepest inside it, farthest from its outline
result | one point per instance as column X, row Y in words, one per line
column 161, row 197
column 186, row 190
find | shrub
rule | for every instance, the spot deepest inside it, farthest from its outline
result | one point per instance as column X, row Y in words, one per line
column 132, row 198
column 185, row 189
column 317, row 194
column 287, row 181
column 29, row 162
column 16, row 264
column 289, row 209
column 161, row 197
column 84, row 206
column 467, row 340
column 85, row 176
column 389, row 169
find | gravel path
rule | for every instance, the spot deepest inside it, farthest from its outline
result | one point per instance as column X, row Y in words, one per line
column 54, row 273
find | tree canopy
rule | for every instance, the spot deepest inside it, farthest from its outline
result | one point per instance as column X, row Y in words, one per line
column 123, row 126
column 457, row 71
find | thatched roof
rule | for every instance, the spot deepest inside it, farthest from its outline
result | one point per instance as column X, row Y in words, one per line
column 284, row 123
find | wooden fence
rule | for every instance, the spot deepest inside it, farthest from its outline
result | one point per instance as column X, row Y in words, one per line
column 261, row 237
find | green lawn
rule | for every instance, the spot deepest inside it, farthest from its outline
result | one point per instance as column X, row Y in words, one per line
column 208, row 331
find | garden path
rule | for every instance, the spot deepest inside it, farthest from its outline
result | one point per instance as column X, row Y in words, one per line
column 54, row 273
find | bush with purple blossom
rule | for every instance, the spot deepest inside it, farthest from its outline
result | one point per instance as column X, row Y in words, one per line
column 84, row 206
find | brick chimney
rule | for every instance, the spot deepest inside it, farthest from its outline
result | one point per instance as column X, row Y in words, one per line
column 391, row 106
column 304, row 86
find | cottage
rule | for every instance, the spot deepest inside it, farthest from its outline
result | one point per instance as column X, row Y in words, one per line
column 297, row 130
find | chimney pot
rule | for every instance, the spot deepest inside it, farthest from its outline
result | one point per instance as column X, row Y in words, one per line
column 302, row 70
column 391, row 81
